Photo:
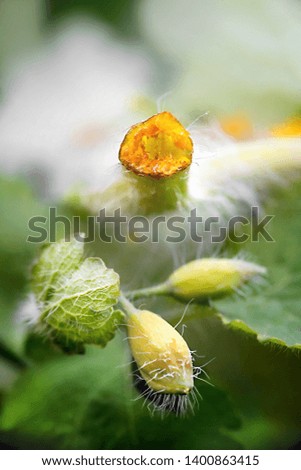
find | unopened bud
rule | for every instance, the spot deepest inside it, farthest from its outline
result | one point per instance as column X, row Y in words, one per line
column 161, row 354
column 211, row 277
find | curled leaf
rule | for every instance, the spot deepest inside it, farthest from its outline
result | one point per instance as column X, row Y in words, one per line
column 77, row 297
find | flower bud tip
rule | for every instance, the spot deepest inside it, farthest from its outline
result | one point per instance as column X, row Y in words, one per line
column 161, row 354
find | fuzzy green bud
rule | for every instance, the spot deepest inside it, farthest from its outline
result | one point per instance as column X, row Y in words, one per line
column 211, row 277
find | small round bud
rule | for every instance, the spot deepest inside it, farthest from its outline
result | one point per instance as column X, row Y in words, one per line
column 211, row 277
column 161, row 354
column 158, row 147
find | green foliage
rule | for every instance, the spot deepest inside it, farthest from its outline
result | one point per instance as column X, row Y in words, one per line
column 118, row 14
column 253, row 343
column 17, row 205
column 258, row 376
column 76, row 295
column 55, row 261
column 253, row 339
column 88, row 402
column 273, row 310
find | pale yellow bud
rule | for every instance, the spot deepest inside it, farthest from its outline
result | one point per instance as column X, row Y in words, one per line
column 211, row 277
column 161, row 354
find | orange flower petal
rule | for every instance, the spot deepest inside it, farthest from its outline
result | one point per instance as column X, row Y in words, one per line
column 237, row 126
column 158, row 147
column 289, row 128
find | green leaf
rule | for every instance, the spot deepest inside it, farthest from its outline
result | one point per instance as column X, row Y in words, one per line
column 18, row 204
column 56, row 260
column 258, row 376
column 273, row 311
column 88, row 402
column 77, row 297
column 262, row 378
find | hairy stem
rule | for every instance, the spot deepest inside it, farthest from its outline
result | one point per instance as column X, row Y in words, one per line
column 160, row 289
column 127, row 306
column 157, row 196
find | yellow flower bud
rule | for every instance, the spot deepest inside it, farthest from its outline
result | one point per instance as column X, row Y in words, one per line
column 161, row 354
column 211, row 277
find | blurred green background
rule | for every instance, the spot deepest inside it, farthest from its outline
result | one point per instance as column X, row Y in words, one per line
column 48, row 400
